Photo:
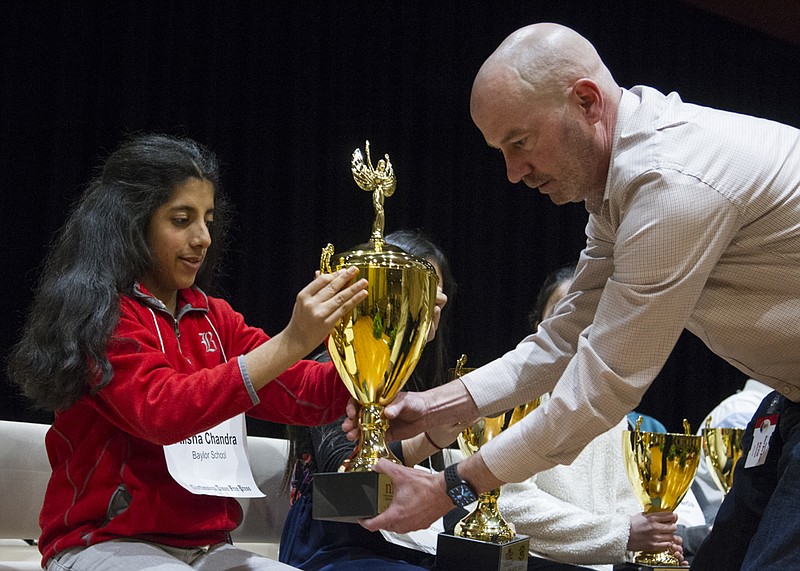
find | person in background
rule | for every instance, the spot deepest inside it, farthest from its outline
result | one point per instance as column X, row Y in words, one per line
column 319, row 545
column 584, row 513
column 133, row 356
column 694, row 223
column 734, row 411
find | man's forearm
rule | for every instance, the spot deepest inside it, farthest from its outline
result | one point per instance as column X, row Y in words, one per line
column 450, row 403
column 477, row 474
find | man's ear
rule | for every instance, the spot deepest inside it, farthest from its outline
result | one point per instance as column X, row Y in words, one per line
column 588, row 96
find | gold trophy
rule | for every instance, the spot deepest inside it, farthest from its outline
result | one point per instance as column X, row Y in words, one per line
column 660, row 468
column 375, row 349
column 722, row 448
column 483, row 539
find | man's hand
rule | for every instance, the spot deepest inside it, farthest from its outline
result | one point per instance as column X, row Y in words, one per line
column 407, row 416
column 419, row 499
column 412, row 413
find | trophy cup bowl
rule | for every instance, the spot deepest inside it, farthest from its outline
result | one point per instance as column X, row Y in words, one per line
column 374, row 349
column 722, row 448
column 660, row 468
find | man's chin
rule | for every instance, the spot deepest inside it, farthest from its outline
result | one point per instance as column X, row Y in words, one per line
column 554, row 198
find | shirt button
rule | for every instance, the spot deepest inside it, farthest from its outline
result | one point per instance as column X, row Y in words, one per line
column 787, row 390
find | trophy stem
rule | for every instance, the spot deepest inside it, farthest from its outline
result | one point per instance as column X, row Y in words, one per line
column 372, row 442
column 485, row 522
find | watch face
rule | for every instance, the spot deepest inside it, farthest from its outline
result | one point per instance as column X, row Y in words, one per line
column 461, row 495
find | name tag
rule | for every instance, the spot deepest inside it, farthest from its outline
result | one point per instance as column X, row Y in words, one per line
column 214, row 462
column 762, row 433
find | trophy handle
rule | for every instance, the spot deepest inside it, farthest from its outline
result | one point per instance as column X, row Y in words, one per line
column 325, row 259
column 462, row 360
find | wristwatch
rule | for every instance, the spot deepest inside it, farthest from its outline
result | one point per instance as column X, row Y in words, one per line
column 459, row 491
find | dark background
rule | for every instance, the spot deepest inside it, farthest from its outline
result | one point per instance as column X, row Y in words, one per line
column 285, row 91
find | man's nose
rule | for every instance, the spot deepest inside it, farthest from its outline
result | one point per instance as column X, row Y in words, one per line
column 516, row 168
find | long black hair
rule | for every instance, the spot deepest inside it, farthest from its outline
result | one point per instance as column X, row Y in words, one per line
column 99, row 254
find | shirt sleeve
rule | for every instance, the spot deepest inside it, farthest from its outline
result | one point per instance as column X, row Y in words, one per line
column 152, row 399
column 655, row 245
column 308, row 393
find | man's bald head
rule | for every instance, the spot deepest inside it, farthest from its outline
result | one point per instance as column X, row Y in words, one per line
column 545, row 99
column 541, row 62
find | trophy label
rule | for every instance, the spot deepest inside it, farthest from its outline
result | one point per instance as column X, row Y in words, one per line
column 515, row 555
column 385, row 492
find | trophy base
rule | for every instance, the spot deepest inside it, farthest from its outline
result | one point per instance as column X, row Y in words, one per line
column 643, row 567
column 350, row 496
column 455, row 553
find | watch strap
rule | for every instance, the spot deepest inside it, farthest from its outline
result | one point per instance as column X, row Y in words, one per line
column 451, row 477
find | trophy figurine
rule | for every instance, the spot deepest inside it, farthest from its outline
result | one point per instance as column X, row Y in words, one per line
column 722, row 448
column 483, row 539
column 375, row 349
column 660, row 468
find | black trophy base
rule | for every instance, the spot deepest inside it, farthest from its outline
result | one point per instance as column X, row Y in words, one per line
column 643, row 567
column 350, row 496
column 455, row 553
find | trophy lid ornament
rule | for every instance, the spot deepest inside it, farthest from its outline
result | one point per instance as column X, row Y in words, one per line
column 380, row 181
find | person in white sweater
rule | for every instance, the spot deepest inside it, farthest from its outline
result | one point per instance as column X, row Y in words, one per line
column 584, row 513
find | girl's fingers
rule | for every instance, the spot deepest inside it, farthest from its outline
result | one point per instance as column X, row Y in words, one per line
column 333, row 282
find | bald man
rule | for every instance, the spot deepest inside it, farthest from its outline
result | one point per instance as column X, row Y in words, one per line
column 694, row 222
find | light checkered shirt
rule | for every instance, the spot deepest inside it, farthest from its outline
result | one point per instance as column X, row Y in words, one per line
column 699, row 229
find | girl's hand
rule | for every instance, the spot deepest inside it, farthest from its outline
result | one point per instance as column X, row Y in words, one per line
column 321, row 304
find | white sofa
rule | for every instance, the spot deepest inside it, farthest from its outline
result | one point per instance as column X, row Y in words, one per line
column 24, row 472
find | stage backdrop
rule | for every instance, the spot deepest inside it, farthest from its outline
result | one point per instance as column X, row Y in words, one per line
column 285, row 91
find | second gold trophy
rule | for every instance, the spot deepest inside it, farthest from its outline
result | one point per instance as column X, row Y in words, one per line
column 375, row 349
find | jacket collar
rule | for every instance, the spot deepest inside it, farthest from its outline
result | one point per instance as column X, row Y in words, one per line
column 191, row 299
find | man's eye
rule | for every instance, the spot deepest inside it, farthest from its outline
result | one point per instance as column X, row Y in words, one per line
column 180, row 221
column 521, row 143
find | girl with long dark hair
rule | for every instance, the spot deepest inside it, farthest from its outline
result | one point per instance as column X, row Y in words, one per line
column 132, row 356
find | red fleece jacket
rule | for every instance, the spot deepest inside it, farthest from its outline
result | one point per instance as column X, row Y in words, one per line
column 173, row 378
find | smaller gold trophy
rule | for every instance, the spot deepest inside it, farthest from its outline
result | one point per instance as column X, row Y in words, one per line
column 660, row 468
column 375, row 349
column 722, row 448
column 483, row 539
